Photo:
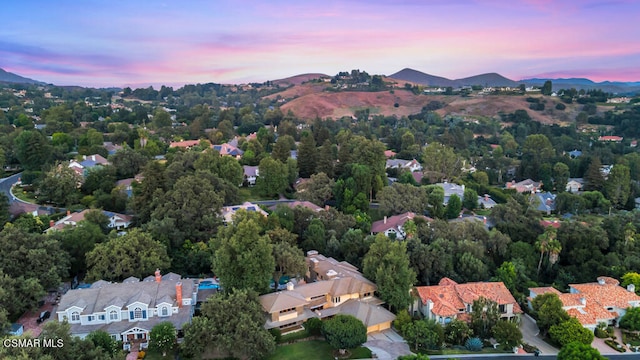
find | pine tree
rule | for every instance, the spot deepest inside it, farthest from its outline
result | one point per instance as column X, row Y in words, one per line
column 307, row 156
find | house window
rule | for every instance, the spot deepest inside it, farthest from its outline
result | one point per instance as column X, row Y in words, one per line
column 287, row 310
column 366, row 294
column 113, row 315
column 468, row 308
column 502, row 309
column 91, row 318
column 137, row 313
column 336, row 299
column 75, row 316
column 101, row 317
column 165, row 311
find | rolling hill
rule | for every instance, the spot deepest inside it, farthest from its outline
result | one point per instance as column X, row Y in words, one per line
column 418, row 77
column 6, row 76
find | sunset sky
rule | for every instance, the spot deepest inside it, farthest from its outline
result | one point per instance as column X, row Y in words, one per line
column 153, row 42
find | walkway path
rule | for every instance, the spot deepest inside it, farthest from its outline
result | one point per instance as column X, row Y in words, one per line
column 387, row 345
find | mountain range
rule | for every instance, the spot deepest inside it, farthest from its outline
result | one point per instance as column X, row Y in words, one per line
column 494, row 79
column 418, row 77
column 6, row 76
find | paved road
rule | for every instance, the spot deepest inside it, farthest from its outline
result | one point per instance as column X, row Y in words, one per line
column 530, row 333
column 5, row 187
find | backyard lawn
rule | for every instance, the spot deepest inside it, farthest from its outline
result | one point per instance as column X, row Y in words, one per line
column 314, row 350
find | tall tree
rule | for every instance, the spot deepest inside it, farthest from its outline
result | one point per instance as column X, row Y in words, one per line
column 318, row 189
column 282, row 148
column 441, row 162
column 560, row 176
column 546, row 88
column 326, row 161
column 128, row 162
column 32, row 149
column 273, row 179
column 454, row 206
column 401, row 198
column 594, row 180
column 59, row 186
column 387, row 264
column 137, row 252
column 617, row 187
column 307, row 156
column 549, row 311
column 536, row 151
column 289, row 260
column 484, row 317
column 579, row 351
column 232, row 325
column 243, row 258
column 470, row 199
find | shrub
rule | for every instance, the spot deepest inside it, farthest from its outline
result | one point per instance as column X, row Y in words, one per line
column 560, row 106
column 601, row 334
column 141, row 354
column 313, row 326
column 615, row 345
column 276, row 333
column 402, row 319
column 473, row 344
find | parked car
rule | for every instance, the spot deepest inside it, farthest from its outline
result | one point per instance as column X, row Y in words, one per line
column 43, row 316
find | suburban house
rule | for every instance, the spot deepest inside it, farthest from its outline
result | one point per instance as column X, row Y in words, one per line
column 616, row 139
column 575, row 153
column 411, row 165
column 331, row 288
column 251, row 174
column 229, row 149
column 229, row 211
column 592, row 303
column 486, row 202
column 111, row 147
column 546, row 202
column 129, row 310
column 116, row 221
column 293, row 204
column 523, row 186
column 449, row 300
column 88, row 162
column 574, row 185
column 451, row 189
column 185, row 144
column 389, row 154
column 393, row 226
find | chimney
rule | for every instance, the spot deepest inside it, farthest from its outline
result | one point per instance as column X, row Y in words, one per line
column 385, row 219
column 158, row 276
column 68, row 212
column 631, row 288
column 486, row 197
column 601, row 280
column 583, row 301
column 179, row 293
column 51, row 223
column 93, row 157
column 290, row 286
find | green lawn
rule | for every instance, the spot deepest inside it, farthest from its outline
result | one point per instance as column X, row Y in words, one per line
column 27, row 196
column 251, row 194
column 313, row 350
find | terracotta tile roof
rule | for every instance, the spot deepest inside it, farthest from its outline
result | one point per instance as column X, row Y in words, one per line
column 450, row 298
column 184, row 144
column 606, row 295
column 393, row 222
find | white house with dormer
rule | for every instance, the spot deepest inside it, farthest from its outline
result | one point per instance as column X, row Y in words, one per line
column 129, row 310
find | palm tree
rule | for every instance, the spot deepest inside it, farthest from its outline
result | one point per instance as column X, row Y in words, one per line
column 543, row 244
column 554, row 248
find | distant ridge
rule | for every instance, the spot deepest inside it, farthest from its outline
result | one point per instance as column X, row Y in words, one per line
column 418, row 77
column 6, row 76
column 299, row 79
column 616, row 87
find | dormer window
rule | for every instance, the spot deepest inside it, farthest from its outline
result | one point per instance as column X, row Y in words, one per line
column 137, row 313
column 113, row 315
column 75, row 316
column 164, row 311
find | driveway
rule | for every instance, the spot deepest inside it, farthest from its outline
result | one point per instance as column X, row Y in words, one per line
column 387, row 345
column 530, row 335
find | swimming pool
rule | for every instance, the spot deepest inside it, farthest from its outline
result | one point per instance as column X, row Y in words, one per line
column 207, row 285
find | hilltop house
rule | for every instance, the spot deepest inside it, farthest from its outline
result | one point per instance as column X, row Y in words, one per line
column 393, row 226
column 449, row 300
column 129, row 310
column 592, row 303
column 331, row 288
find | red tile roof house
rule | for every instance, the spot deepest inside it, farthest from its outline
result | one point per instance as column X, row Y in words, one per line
column 186, row 144
column 527, row 185
column 449, row 300
column 592, row 303
column 611, row 138
column 394, row 225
